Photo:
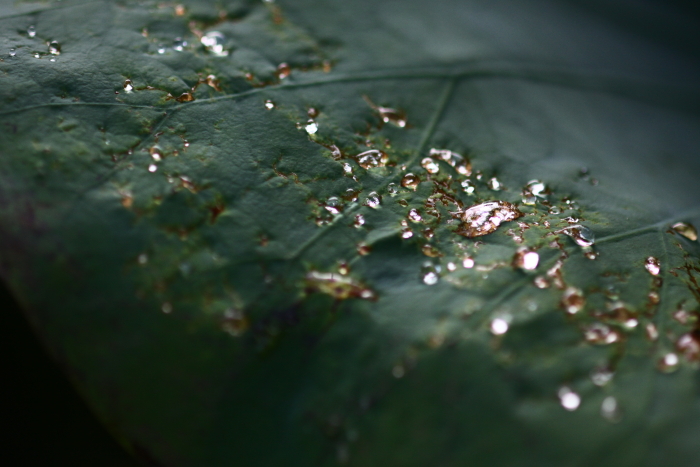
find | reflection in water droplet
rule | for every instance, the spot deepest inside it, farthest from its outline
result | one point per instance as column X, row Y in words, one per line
column 482, row 219
column 601, row 376
column 166, row 308
column 499, row 326
column 143, row 258
column 582, row 235
column 610, row 410
column 152, row 168
column 31, row 31
column 372, row 158
column 54, row 48
column 601, row 334
column 128, row 86
column 359, row 220
column 494, row 184
column 689, row 345
column 414, row 216
column 686, row 229
column 569, row 399
column 213, row 42
column 311, row 127
column 461, row 164
column 526, row 259
column 653, row 266
column 430, row 165
column 373, row 200
column 468, row 187
column 573, row 300
column 668, row 362
column 468, row 263
column 269, row 105
column 179, row 44
column 410, row 181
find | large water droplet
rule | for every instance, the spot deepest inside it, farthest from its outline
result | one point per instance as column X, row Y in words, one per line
column 372, row 158
column 373, row 200
column 686, row 229
column 213, row 42
column 482, row 219
column 653, row 266
column 410, row 181
column 569, row 399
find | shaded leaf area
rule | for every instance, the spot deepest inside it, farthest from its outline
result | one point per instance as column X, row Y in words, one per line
column 239, row 226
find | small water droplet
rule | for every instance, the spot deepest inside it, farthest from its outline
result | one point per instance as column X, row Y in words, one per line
column 668, row 362
column 152, row 168
column 499, row 326
column 359, row 220
column 430, row 278
column 347, row 168
column 652, row 332
column 686, row 229
column 494, row 184
column 283, row 70
column 414, row 216
column 235, row 322
column 601, row 334
column 13, row 52
column 37, row 55
column 461, row 164
column 143, row 258
column 410, row 181
column 269, row 105
column 468, row 263
column 541, row 282
column 430, row 165
column 555, row 210
column 451, row 266
column 372, row 158
column 573, row 300
column 373, row 200
column 392, row 189
column 601, row 376
column 398, row 371
column 179, row 44
column 156, row 154
column 161, row 49
column 689, row 345
column 185, row 97
column 179, row 10
column 213, row 42
column 610, row 410
column 468, row 187
column 167, row 308
column 128, row 86
column 533, row 190
column 213, row 82
column 311, row 127
column 430, row 251
column 363, row 249
column 653, row 266
column 526, row 259
column 582, row 235
column 406, row 233
column 569, row 399
column 485, row 218
column 31, row 31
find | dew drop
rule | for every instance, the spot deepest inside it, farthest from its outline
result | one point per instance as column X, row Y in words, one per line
column 152, row 168
column 156, row 154
column 269, row 105
column 179, row 44
column 213, row 82
column 143, row 258
column 398, row 371
column 430, row 251
column 311, row 127
column 689, row 345
column 161, row 49
column 494, row 184
column 482, row 219
column 461, row 164
column 582, row 235
column 468, row 263
column 128, row 86
column 372, row 158
column 185, row 97
column 526, row 259
column 213, row 42
column 410, row 181
column 406, row 233
column 555, row 210
column 686, row 229
column 668, row 363
column 179, row 10
column 54, row 48
column 167, row 308
column 610, row 410
column 451, row 266
column 652, row 332
column 499, row 326
column 533, row 190
column 430, row 165
column 573, row 300
column 541, row 282
column 13, row 52
column 601, row 376
column 392, row 189
column 31, row 31
column 569, row 399
column 235, row 322
column 347, row 168
column 373, row 200
column 468, row 187
column 283, row 71
column 359, row 220
column 601, row 334
column 414, row 216
column 389, row 115
column 653, row 266
column 363, row 249
column 430, row 278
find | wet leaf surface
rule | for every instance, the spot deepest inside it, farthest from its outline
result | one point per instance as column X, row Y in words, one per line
column 255, row 232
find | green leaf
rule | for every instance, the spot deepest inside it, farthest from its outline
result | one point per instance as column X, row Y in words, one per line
column 192, row 220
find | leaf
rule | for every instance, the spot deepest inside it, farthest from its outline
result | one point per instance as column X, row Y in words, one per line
column 218, row 238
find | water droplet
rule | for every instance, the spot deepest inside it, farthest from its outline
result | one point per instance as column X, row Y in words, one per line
column 372, row 158
column 494, row 184
column 610, row 410
column 461, row 164
column 689, row 345
column 311, row 127
column 128, row 86
column 359, row 220
column 430, row 278
column 652, row 332
column 179, row 44
column 668, row 363
column 451, row 266
column 392, row 189
column 468, row 263
column 482, row 219
column 526, row 259
column 152, row 168
column 13, row 52
column 541, row 282
column 686, row 229
column 555, row 210
column 142, row 258
column 54, row 48
column 414, row 216
column 653, row 266
column 533, row 190
column 161, row 49
column 37, row 55
column 338, row 285
column 179, row 10
column 428, row 233
column 406, row 233
column 213, row 42
column 31, row 31
column 468, row 187
column 213, row 82
column 185, row 97
column 582, row 235
column 430, row 165
column 398, row 371
column 373, row 200
column 235, row 322
column 601, row 376
column 363, row 249
column 601, row 334
column 269, row 105
column 410, row 181
column 499, row 326
column 569, row 399
column 167, row 308
column 430, row 251
column 156, row 154
column 283, row 70
column 573, row 300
